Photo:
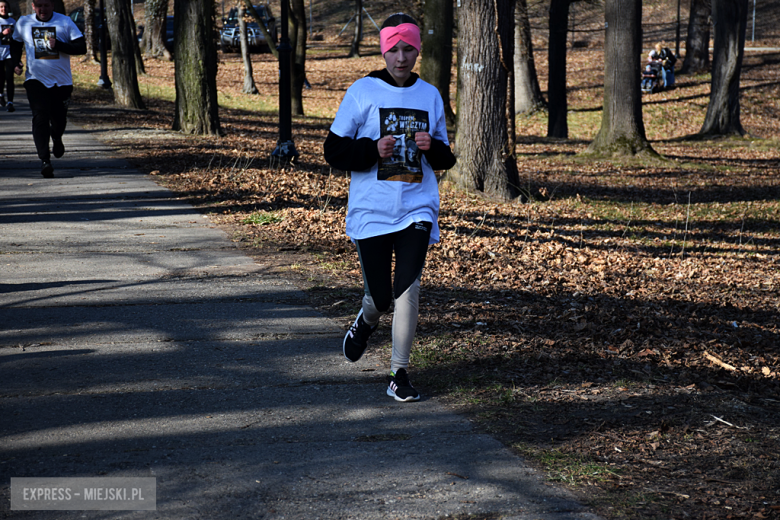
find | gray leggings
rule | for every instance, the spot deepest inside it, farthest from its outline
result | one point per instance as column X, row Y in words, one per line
column 382, row 286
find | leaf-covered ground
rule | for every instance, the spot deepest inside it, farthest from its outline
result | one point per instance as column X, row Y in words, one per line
column 620, row 330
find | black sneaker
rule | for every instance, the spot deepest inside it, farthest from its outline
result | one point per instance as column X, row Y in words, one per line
column 400, row 388
column 356, row 340
column 58, row 149
column 2, row 100
column 10, row 107
column 47, row 170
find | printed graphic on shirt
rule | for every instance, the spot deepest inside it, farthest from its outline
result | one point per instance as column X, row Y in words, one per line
column 405, row 164
column 41, row 37
column 5, row 37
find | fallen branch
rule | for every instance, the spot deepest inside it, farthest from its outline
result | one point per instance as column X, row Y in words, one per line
column 456, row 475
column 680, row 495
column 719, row 362
column 728, row 423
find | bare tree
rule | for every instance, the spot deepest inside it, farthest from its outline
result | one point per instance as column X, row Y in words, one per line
column 557, row 124
column 123, row 54
column 730, row 21
column 139, row 60
column 250, row 9
column 20, row 7
column 354, row 50
column 249, row 80
column 528, row 94
column 483, row 145
column 90, row 34
column 697, row 44
column 622, row 131
column 195, row 49
column 153, row 40
column 436, row 58
column 298, row 33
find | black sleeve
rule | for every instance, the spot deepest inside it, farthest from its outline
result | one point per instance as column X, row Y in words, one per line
column 439, row 156
column 349, row 154
column 16, row 52
column 75, row 47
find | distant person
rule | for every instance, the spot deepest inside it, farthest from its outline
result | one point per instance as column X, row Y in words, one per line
column 7, row 65
column 666, row 58
column 49, row 40
column 393, row 209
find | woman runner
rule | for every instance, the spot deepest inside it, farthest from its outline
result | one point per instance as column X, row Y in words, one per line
column 390, row 133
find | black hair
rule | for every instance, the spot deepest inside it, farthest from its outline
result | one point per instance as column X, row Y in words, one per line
column 394, row 20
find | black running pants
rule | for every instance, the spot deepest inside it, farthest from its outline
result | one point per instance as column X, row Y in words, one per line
column 376, row 255
column 50, row 113
column 7, row 79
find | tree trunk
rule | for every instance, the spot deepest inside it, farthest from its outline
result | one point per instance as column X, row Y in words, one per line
column 354, row 50
column 123, row 46
column 298, row 33
column 557, row 125
column 263, row 29
column 249, row 80
column 195, row 49
column 139, row 60
column 19, row 8
column 486, row 160
column 622, row 131
column 697, row 45
column 436, row 59
column 730, row 20
column 90, row 34
column 153, row 41
column 528, row 94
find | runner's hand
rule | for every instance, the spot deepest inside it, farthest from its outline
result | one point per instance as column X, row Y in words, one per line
column 422, row 140
column 385, row 146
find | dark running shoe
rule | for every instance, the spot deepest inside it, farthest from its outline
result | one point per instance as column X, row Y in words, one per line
column 356, row 339
column 58, row 149
column 400, row 388
column 10, row 107
column 2, row 100
column 47, row 170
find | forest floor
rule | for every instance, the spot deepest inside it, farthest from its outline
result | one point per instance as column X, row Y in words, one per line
column 619, row 331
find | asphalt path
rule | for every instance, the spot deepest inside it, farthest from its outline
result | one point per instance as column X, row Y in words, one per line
column 137, row 341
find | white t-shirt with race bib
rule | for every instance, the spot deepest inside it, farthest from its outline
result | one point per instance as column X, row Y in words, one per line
column 50, row 67
column 400, row 190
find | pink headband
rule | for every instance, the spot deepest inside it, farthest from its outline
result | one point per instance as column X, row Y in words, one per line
column 390, row 36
